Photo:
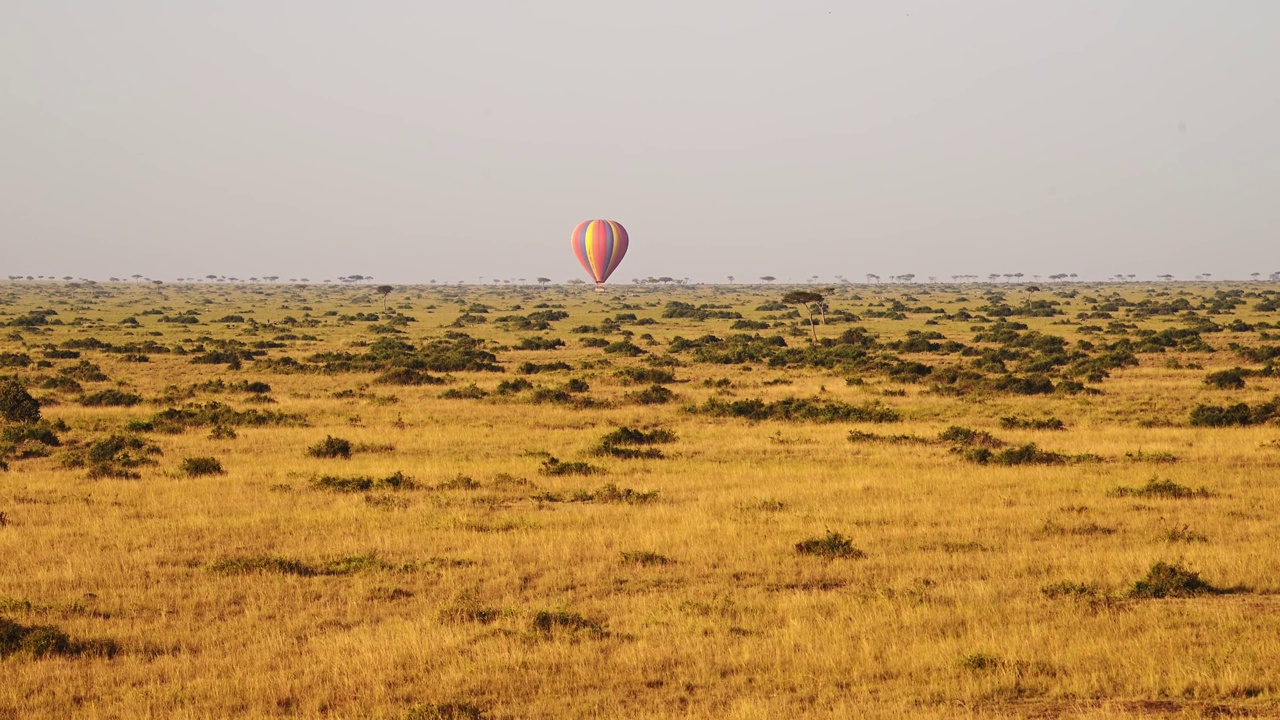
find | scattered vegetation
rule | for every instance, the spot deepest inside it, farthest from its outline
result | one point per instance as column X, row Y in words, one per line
column 275, row 564
column 609, row 493
column 799, row 409
column 693, row 551
column 363, row 483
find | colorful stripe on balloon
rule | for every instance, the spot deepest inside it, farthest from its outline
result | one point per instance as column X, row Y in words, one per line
column 600, row 246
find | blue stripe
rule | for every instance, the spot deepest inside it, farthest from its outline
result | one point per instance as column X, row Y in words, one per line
column 603, row 273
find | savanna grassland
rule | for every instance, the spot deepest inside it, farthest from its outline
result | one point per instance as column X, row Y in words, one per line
column 544, row 502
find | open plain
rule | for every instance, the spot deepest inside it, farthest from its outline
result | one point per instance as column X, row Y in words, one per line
column 983, row 500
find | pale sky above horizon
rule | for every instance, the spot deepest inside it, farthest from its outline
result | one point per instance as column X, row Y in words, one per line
column 463, row 140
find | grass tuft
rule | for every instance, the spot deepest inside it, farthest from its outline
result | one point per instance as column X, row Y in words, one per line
column 1168, row 489
column 644, row 557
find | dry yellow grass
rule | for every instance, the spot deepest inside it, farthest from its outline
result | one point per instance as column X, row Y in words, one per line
column 500, row 598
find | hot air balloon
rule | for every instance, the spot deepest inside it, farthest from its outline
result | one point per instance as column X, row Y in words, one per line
column 599, row 245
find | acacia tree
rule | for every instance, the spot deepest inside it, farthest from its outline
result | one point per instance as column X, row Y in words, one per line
column 384, row 291
column 1029, row 290
column 808, row 299
column 768, row 278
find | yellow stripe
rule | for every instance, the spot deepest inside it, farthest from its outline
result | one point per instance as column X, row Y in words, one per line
column 587, row 240
column 617, row 241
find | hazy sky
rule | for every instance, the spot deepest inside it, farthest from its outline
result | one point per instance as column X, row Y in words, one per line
column 454, row 139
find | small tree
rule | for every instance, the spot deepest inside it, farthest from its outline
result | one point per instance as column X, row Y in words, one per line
column 543, row 281
column 384, row 291
column 808, row 300
column 16, row 404
column 1030, row 289
column 768, row 278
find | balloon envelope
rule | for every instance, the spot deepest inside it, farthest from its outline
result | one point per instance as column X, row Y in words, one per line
column 599, row 245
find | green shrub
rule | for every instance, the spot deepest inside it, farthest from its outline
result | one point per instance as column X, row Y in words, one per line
column 532, row 368
column 639, row 376
column 510, row 387
column 17, row 360
column 1171, row 581
column 965, row 436
column 538, row 343
column 253, row 564
column 631, row 436
column 652, row 395
column 212, row 414
column 408, row 376
column 859, row 436
column 196, row 466
column 1238, row 414
column 548, row 622
column 1157, row 488
column 84, row 371
column 331, row 447
column 1017, row 423
column 832, row 545
column 812, row 410
column 44, row 640
column 622, row 443
column 116, row 456
column 624, row 347
column 553, row 466
column 40, row 432
column 1232, row 379
column 16, row 404
column 222, row 432
column 62, row 383
column 1028, row 454
column 461, row 482
column 110, row 398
